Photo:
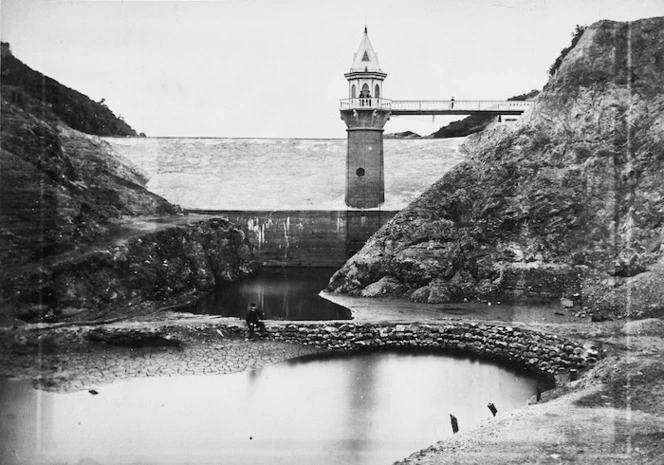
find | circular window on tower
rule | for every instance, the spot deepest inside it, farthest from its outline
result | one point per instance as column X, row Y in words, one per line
column 360, row 172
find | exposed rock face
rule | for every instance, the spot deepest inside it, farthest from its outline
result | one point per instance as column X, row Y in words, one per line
column 155, row 267
column 569, row 199
column 62, row 193
column 59, row 187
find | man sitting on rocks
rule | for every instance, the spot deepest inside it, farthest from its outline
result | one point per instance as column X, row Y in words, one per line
column 254, row 320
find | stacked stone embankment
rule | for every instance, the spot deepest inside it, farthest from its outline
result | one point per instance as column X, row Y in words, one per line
column 535, row 351
column 112, row 352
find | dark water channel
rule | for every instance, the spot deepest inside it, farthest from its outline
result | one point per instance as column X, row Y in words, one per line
column 364, row 409
column 281, row 293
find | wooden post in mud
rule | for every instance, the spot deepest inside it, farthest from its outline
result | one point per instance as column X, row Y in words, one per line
column 455, row 424
column 493, row 408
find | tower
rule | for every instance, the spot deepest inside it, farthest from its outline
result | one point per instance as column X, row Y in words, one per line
column 365, row 113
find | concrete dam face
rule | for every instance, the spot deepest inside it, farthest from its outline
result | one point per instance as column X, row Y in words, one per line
column 288, row 195
column 307, row 238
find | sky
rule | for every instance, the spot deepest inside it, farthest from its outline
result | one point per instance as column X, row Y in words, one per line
column 274, row 68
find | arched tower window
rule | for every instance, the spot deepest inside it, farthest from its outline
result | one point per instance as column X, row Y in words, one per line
column 353, row 91
column 377, row 91
column 365, row 93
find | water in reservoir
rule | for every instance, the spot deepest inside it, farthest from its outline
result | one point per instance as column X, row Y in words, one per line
column 281, row 293
column 371, row 408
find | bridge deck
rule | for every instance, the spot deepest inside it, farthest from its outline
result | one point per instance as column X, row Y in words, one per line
column 439, row 107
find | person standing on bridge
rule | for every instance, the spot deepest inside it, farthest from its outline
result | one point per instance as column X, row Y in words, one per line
column 452, row 103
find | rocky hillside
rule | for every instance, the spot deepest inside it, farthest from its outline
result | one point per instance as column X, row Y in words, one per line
column 63, row 195
column 568, row 202
column 475, row 123
column 402, row 135
column 162, row 267
column 39, row 94
column 60, row 187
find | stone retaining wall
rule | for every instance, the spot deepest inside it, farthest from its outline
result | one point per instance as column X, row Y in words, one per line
column 535, row 351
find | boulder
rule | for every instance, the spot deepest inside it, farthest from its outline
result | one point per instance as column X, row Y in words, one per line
column 385, row 285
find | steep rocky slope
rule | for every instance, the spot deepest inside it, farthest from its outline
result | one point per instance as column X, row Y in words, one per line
column 39, row 94
column 569, row 202
column 67, row 200
column 161, row 267
column 60, row 187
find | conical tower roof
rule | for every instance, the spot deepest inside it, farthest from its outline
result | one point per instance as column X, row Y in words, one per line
column 365, row 59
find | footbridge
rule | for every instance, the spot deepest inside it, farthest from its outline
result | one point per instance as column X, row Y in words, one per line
column 438, row 107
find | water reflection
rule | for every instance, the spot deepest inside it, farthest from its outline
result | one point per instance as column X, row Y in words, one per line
column 362, row 409
column 281, row 293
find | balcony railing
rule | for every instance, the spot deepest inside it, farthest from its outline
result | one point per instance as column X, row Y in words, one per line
column 366, row 103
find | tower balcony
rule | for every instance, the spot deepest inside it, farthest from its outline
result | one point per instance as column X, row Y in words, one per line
column 365, row 104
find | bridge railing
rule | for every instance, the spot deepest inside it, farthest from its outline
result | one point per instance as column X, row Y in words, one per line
column 366, row 103
column 424, row 106
column 460, row 105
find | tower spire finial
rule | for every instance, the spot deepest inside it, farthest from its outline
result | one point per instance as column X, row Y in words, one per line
column 365, row 28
